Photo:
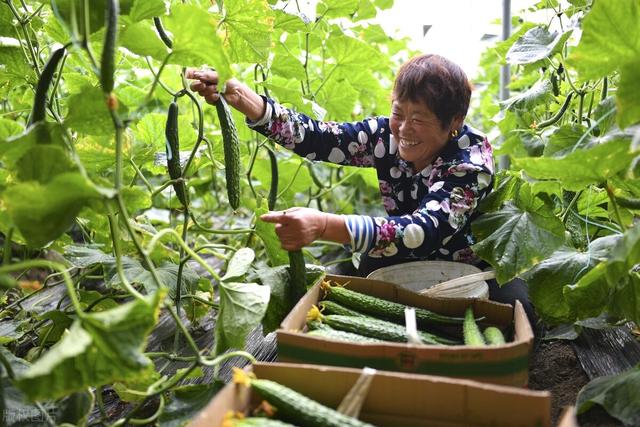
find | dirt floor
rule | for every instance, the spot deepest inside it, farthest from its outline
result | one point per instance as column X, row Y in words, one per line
column 554, row 367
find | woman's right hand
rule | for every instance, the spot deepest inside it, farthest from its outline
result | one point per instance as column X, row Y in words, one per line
column 237, row 95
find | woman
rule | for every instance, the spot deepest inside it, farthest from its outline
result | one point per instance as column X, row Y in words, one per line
column 433, row 169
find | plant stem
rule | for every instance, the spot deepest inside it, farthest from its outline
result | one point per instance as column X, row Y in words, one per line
column 115, row 235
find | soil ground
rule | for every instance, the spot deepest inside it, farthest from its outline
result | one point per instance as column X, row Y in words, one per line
column 554, row 367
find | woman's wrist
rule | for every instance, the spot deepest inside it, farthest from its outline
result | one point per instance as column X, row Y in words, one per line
column 244, row 99
column 335, row 229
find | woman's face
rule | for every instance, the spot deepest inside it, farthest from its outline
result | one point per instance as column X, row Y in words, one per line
column 417, row 132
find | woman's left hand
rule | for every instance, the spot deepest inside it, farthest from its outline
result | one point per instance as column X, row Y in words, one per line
column 297, row 227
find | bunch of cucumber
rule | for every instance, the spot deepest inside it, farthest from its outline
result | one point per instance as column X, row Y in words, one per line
column 289, row 406
column 347, row 315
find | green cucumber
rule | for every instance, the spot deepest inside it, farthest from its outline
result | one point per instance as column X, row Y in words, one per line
column 297, row 408
column 322, row 330
column 470, row 330
column 256, row 422
column 376, row 328
column 107, row 63
column 273, row 190
column 382, row 308
column 39, row 111
column 332, row 307
column 173, row 153
column 161, row 32
column 231, row 147
column 493, row 336
column 297, row 274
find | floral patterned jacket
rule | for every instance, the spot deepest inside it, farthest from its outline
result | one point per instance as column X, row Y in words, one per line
column 430, row 211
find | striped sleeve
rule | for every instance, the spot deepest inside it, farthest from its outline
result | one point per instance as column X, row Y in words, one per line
column 362, row 232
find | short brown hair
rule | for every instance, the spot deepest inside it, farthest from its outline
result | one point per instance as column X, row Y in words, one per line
column 436, row 82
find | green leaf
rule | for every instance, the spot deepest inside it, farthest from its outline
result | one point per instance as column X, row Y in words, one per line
column 242, row 306
column 14, row 147
column 239, row 264
column 535, row 45
column 143, row 9
column 540, row 93
column 564, row 267
column 99, row 349
column 582, row 167
column 617, row 394
column 141, row 39
column 167, row 274
column 9, row 128
column 592, row 293
column 626, row 300
column 607, row 41
column 88, row 112
column 337, row 8
column 42, row 163
column 338, row 98
column 290, row 22
column 628, row 94
column 86, row 256
column 187, row 402
column 280, row 302
column 515, row 239
column 562, row 140
column 266, row 232
column 249, row 24
column 286, row 65
column 43, row 212
column 195, row 40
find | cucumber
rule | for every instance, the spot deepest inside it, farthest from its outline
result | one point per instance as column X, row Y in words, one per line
column 325, row 331
column 39, row 111
column 470, row 330
column 273, row 190
column 300, row 410
column 161, row 32
column 332, row 307
column 255, row 422
column 297, row 274
column 107, row 63
column 376, row 328
column 173, row 153
column 231, row 147
column 493, row 336
column 382, row 308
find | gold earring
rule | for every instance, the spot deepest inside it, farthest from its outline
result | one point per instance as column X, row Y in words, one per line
column 453, row 133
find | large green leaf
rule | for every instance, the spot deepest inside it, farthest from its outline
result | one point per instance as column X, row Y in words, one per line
column 242, row 306
column 626, row 300
column 337, row 8
column 564, row 267
column 99, row 349
column 590, row 295
column 516, row 238
column 539, row 93
column 608, row 40
column 43, row 162
column 266, row 232
column 195, row 40
column 280, row 303
column 582, row 167
column 290, row 22
column 617, row 394
column 536, row 44
column 143, row 9
column 628, row 94
column 239, row 264
column 16, row 146
column 249, row 24
column 141, row 39
column 9, row 128
column 43, row 212
column 167, row 274
column 86, row 256
column 562, row 140
column 88, row 112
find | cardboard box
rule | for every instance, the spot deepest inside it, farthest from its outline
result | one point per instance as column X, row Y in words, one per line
column 506, row 364
column 395, row 399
